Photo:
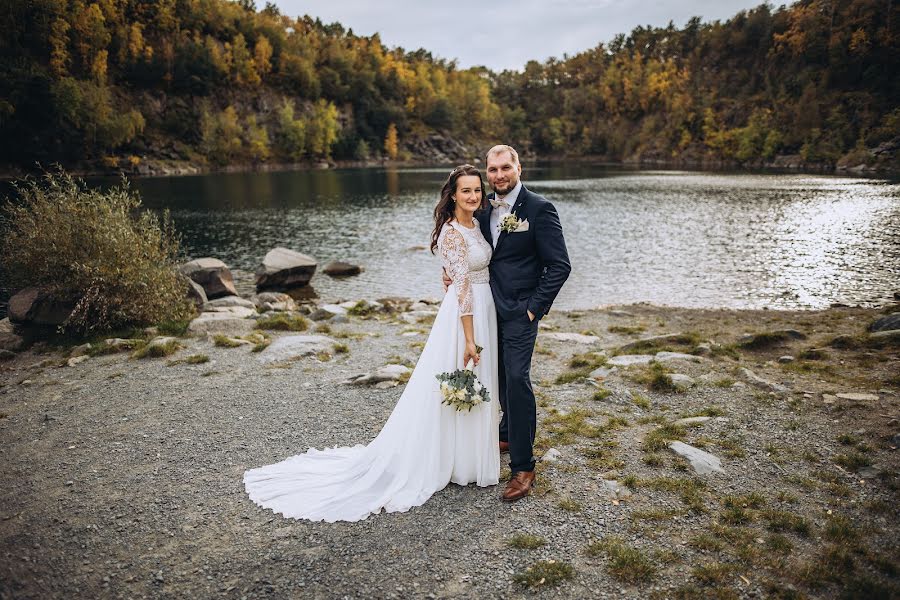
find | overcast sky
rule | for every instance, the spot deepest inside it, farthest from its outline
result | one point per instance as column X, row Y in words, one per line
column 506, row 35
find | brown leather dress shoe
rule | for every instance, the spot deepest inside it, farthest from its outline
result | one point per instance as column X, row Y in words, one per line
column 519, row 486
column 504, row 447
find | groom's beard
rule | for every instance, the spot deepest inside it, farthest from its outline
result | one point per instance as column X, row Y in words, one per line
column 504, row 191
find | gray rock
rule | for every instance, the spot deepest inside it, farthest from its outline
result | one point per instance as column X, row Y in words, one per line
column 195, row 293
column 551, row 455
column 339, row 319
column 620, row 313
column 7, row 354
column 761, row 383
column 413, row 317
column 857, row 397
column 575, row 338
column 77, row 360
column 703, row 462
column 269, row 301
column 283, row 269
column 886, row 323
column 221, row 322
column 33, row 306
column 785, row 359
column 212, row 275
column 10, row 341
column 704, row 349
column 385, row 373
column 626, row 360
column 80, row 350
column 602, row 372
column 673, row 356
column 681, row 382
column 341, row 269
column 295, row 346
column 889, row 335
column 121, row 344
column 230, row 302
column 383, row 385
column 615, row 490
column 393, row 304
column 237, row 312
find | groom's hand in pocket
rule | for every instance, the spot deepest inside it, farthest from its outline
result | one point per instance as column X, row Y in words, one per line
column 446, row 279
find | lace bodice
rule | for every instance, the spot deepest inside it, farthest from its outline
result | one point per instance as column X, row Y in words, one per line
column 465, row 255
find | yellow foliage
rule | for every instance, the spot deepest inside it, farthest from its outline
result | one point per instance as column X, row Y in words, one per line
column 391, row 142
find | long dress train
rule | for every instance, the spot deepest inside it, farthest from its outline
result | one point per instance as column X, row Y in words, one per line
column 424, row 444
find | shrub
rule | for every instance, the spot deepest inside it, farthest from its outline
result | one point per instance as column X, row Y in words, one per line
column 283, row 322
column 98, row 249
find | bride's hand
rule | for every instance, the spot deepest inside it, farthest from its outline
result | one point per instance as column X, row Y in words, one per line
column 446, row 279
column 471, row 353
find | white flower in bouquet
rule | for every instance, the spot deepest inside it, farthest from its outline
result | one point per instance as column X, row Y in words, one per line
column 461, row 388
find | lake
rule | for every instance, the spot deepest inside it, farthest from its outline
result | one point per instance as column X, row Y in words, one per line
column 680, row 238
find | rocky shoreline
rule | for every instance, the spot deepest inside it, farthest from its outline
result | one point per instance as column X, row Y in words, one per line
column 685, row 453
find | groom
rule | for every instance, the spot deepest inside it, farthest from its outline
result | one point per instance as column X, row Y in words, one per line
column 528, row 267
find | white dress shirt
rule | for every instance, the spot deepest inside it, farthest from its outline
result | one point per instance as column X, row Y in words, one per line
column 499, row 213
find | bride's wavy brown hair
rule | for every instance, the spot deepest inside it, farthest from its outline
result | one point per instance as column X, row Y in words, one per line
column 443, row 212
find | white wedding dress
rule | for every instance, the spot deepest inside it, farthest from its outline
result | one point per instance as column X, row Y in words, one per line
column 424, row 444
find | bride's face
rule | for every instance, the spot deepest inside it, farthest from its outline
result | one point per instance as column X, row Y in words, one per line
column 468, row 193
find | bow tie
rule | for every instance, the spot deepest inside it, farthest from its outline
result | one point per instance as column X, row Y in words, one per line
column 499, row 203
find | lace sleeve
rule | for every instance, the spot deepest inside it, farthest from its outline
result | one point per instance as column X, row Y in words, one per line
column 455, row 258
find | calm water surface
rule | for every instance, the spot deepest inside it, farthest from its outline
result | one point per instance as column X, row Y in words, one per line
column 668, row 237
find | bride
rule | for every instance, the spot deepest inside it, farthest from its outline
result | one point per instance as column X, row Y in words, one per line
column 425, row 444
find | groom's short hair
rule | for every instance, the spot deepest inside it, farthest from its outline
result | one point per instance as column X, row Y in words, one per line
column 501, row 148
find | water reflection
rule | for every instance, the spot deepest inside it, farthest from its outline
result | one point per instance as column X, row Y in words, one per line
column 668, row 237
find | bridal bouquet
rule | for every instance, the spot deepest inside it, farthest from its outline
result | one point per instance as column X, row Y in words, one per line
column 462, row 389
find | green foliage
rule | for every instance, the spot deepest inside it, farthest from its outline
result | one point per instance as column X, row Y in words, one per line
column 96, row 247
column 626, row 563
column 283, row 322
column 88, row 79
column 545, row 573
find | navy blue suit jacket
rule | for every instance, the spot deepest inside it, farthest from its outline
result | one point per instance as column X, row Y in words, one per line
column 528, row 268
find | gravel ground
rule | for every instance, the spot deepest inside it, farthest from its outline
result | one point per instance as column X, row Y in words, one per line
column 123, row 477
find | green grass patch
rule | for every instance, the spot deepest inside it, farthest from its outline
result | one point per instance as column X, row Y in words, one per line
column 641, row 401
column 713, row 574
column 783, row 521
column 157, row 350
column 853, row 461
column 569, row 504
column 625, row 562
column 341, row 349
column 659, row 438
column 193, row 359
column 601, row 394
column 626, row 329
column 545, row 573
column 223, row 341
column 525, row 541
column 283, row 322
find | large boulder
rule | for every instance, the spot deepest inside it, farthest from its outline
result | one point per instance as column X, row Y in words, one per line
column 223, row 322
column 195, row 293
column 212, row 275
column 886, row 323
column 341, row 269
column 10, row 340
column 34, row 306
column 283, row 269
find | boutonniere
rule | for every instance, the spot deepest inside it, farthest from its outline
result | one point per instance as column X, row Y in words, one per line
column 512, row 224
